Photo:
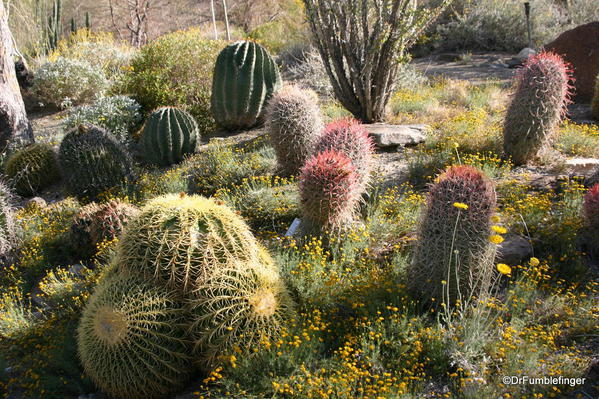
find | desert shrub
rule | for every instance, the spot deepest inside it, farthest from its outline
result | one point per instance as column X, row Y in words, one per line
column 32, row 169
column 67, row 82
column 175, row 70
column 499, row 25
column 223, row 166
column 120, row 115
column 310, row 72
column 276, row 35
column 97, row 48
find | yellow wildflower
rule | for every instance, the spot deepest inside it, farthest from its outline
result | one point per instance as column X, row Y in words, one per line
column 460, row 205
column 504, row 269
column 496, row 239
column 499, row 229
column 534, row 262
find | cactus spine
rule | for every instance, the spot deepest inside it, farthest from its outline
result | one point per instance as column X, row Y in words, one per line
column 294, row 124
column 131, row 339
column 168, row 135
column 179, row 241
column 454, row 256
column 538, row 105
column 245, row 77
column 32, row 169
column 330, row 193
column 93, row 161
column 350, row 138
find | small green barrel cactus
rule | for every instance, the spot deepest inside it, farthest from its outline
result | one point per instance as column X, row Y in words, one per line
column 454, row 255
column 595, row 104
column 330, row 193
column 294, row 124
column 97, row 223
column 245, row 77
column 32, row 169
column 7, row 225
column 537, row 107
column 93, row 161
column 178, row 240
column 168, row 136
column 131, row 339
column 349, row 137
column 241, row 308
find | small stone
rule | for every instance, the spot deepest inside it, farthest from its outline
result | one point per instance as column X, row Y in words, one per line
column 36, row 202
column 525, row 53
column 513, row 250
column 582, row 166
column 385, row 135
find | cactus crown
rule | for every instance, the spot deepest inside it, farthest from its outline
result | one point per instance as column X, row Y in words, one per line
column 131, row 340
column 93, row 161
column 542, row 95
column 349, row 137
column 178, row 241
column 168, row 135
column 33, row 168
column 329, row 191
column 294, row 123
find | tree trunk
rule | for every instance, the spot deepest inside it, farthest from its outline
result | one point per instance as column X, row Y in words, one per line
column 14, row 124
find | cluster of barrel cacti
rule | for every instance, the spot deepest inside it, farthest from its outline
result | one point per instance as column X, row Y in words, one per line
column 454, row 255
column 245, row 77
column 98, row 223
column 93, row 161
column 180, row 266
column 537, row 107
column 32, row 169
column 168, row 136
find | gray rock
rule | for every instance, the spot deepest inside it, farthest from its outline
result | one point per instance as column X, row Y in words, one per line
column 36, row 202
column 581, row 166
column 385, row 135
column 514, row 250
column 525, row 53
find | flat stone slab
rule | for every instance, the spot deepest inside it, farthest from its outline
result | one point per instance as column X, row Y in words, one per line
column 582, row 166
column 385, row 135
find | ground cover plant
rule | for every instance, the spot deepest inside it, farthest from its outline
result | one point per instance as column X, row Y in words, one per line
column 171, row 241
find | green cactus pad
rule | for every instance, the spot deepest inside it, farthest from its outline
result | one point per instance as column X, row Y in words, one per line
column 168, row 135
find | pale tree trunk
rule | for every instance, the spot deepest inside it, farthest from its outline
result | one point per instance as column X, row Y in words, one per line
column 14, row 125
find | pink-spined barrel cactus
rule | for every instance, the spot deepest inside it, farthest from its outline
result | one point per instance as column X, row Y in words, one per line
column 330, row 193
column 454, row 256
column 538, row 105
column 350, row 138
column 294, row 123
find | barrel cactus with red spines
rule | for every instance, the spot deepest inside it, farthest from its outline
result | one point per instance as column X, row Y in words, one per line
column 330, row 193
column 294, row 123
column 538, row 105
column 350, row 138
column 454, row 256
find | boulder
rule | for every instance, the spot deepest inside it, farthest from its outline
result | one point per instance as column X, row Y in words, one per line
column 580, row 47
column 582, row 166
column 514, row 250
column 396, row 135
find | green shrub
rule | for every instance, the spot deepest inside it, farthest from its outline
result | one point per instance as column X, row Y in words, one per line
column 120, row 115
column 175, row 70
column 33, row 169
column 66, row 82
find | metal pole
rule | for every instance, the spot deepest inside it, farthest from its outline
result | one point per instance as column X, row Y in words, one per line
column 214, row 19
column 226, row 20
column 528, row 24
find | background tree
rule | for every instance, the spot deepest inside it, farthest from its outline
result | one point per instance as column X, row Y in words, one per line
column 362, row 44
column 14, row 124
